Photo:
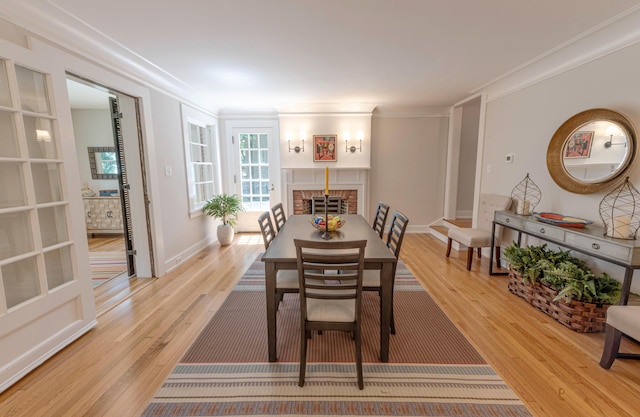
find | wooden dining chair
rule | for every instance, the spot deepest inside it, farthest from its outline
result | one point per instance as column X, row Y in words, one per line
column 335, row 205
column 329, row 304
column 286, row 279
column 371, row 280
column 380, row 219
column 278, row 216
column 266, row 228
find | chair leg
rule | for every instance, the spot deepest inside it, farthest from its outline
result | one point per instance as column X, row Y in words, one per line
column 448, row 247
column 611, row 346
column 479, row 253
column 303, row 355
column 469, row 258
column 497, row 255
column 359, row 356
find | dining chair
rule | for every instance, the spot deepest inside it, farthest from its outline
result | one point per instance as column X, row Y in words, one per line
column 380, row 219
column 278, row 215
column 371, row 279
column 329, row 304
column 480, row 236
column 335, row 205
column 621, row 320
column 286, row 279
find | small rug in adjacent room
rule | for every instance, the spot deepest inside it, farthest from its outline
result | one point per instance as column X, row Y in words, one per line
column 106, row 265
column 432, row 370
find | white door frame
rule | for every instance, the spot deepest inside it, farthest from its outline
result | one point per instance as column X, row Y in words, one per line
column 453, row 153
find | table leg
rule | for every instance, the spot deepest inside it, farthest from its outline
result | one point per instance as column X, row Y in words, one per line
column 386, row 281
column 270, row 291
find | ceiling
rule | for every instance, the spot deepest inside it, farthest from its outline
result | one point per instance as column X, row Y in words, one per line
column 277, row 54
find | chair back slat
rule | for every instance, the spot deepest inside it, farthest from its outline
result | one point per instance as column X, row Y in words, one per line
column 396, row 233
column 380, row 219
column 266, row 227
column 278, row 216
column 317, row 263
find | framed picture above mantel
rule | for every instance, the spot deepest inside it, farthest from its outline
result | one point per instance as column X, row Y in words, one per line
column 325, row 148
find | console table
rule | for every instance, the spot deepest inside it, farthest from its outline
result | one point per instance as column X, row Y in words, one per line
column 589, row 240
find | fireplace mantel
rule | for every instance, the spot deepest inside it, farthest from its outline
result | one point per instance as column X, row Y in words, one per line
column 339, row 179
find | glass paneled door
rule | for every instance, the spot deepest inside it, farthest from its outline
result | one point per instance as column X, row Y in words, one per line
column 46, row 299
column 254, row 177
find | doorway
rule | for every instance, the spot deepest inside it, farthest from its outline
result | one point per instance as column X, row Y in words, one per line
column 255, row 172
column 104, row 159
column 463, row 168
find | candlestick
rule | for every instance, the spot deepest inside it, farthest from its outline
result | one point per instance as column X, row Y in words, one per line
column 326, row 181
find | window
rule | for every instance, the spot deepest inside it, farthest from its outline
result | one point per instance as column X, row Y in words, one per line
column 254, row 168
column 200, row 153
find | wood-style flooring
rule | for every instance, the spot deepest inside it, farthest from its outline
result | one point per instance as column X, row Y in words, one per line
column 115, row 369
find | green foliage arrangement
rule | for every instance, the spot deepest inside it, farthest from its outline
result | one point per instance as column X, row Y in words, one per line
column 224, row 207
column 564, row 273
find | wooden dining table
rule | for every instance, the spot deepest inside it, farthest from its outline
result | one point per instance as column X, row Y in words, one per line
column 281, row 254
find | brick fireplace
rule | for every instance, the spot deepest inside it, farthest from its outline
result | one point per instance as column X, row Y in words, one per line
column 302, row 199
column 300, row 184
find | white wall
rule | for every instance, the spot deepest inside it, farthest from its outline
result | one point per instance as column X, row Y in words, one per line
column 467, row 158
column 524, row 122
column 184, row 236
column 408, row 158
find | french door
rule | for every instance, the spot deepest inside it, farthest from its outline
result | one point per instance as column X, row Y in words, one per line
column 46, row 298
column 255, row 173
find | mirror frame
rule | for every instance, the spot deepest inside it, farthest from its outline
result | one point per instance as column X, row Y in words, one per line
column 555, row 163
column 92, row 162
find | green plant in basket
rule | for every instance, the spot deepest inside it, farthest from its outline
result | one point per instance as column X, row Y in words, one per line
column 562, row 272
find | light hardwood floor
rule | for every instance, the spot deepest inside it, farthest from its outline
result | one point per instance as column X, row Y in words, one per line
column 115, row 369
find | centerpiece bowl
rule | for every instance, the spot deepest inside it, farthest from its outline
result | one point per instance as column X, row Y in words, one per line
column 335, row 222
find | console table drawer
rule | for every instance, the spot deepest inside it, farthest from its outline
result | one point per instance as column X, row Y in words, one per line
column 620, row 252
column 543, row 230
column 510, row 220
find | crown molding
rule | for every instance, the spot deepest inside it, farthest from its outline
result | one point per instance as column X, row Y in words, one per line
column 610, row 36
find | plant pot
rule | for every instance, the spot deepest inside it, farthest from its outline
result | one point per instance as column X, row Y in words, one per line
column 225, row 234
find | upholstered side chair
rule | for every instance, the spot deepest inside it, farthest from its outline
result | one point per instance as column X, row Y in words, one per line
column 480, row 236
column 621, row 320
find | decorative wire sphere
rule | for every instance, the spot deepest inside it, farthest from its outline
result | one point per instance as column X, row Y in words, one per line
column 527, row 195
column 619, row 211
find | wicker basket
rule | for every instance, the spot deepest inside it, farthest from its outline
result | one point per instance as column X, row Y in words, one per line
column 576, row 315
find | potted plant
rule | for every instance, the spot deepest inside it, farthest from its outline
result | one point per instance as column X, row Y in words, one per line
column 226, row 208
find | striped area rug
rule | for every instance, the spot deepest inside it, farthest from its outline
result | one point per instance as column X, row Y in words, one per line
column 106, row 265
column 432, row 371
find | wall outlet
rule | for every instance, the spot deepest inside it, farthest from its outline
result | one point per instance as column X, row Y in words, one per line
column 510, row 158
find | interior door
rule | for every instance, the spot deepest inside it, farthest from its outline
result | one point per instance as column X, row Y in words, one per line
column 46, row 297
column 123, row 182
column 254, row 173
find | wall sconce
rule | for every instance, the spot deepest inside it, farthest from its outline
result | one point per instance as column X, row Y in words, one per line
column 303, row 137
column 43, row 135
column 613, row 130
column 359, row 136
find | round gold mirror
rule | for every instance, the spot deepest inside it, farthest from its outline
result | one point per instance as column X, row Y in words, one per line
column 591, row 151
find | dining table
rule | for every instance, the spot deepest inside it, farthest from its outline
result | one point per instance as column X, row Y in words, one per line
column 281, row 254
